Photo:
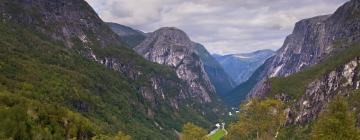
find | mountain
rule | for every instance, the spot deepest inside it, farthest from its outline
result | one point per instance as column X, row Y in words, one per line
column 318, row 62
column 216, row 73
column 241, row 66
column 128, row 35
column 171, row 46
column 327, row 61
column 312, row 41
column 65, row 74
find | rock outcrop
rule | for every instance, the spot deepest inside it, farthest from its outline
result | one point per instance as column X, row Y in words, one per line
column 172, row 47
column 319, row 92
column 66, row 21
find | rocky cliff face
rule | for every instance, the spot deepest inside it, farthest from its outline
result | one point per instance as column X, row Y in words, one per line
column 62, row 20
column 340, row 81
column 319, row 61
column 172, row 47
column 215, row 72
column 312, row 41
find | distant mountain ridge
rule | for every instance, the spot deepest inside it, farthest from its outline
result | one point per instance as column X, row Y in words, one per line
column 130, row 36
column 241, row 66
column 240, row 93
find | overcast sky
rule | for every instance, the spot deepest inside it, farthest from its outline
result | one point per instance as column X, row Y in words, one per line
column 223, row 26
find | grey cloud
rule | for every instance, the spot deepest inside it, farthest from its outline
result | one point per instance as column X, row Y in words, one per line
column 226, row 26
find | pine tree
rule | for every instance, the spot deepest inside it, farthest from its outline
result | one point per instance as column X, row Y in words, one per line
column 193, row 132
column 336, row 123
column 122, row 136
column 258, row 120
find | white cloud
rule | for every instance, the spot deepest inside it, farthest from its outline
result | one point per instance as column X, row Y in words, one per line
column 226, row 26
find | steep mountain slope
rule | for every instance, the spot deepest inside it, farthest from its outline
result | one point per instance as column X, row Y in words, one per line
column 171, row 46
column 312, row 41
column 241, row 66
column 239, row 94
column 318, row 62
column 61, row 54
column 128, row 35
column 310, row 90
column 216, row 73
column 218, row 77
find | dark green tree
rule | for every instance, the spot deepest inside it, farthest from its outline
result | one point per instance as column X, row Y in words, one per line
column 193, row 132
column 258, row 120
column 336, row 123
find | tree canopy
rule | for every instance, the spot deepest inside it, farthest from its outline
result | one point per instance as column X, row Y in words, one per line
column 258, row 120
column 192, row 132
column 337, row 122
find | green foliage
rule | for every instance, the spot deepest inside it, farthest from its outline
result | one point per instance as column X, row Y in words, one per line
column 21, row 118
column 295, row 132
column 354, row 104
column 258, row 120
column 193, row 132
column 40, row 70
column 122, row 136
column 347, row 106
column 337, row 122
column 118, row 136
column 295, row 85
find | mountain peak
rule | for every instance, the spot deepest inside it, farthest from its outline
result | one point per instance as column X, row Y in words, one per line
column 165, row 37
column 172, row 35
column 174, row 29
column 348, row 10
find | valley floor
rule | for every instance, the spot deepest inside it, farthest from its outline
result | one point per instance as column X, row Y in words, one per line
column 217, row 134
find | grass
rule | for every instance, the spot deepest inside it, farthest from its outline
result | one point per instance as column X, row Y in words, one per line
column 218, row 135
